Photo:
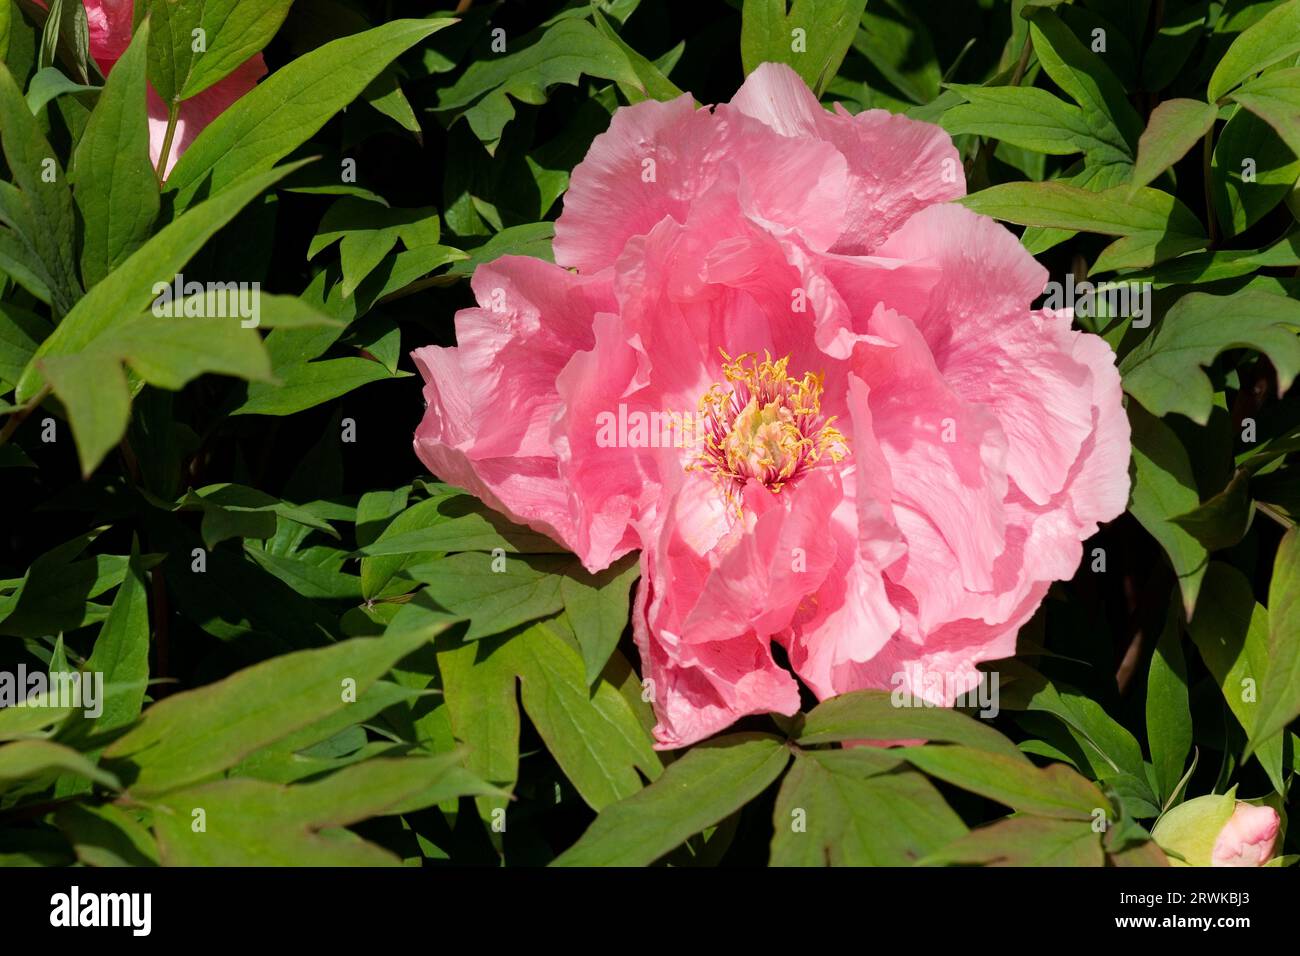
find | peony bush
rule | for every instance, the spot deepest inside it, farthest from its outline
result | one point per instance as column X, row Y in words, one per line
column 612, row 434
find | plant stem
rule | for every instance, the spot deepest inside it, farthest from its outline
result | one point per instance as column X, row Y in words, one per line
column 173, row 116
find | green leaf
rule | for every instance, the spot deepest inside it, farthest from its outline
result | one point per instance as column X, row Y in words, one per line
column 106, row 835
column 1024, row 841
column 196, row 734
column 1279, row 687
column 457, row 522
column 369, row 232
column 653, row 83
column 896, row 42
column 873, row 715
column 1251, row 172
column 1085, row 78
column 1274, row 37
column 593, row 733
column 285, row 110
column 48, row 85
column 96, row 398
column 254, row 823
column 1224, row 519
column 1175, row 127
column 1169, row 719
column 1163, row 488
column 1153, row 224
column 597, row 607
column 232, row 32
column 21, row 333
column 595, row 737
column 1275, row 98
column 311, row 384
column 567, row 51
column 1231, row 632
column 708, row 783
column 830, row 813
column 813, row 37
column 129, row 289
column 121, row 650
column 26, row 759
column 479, row 689
column 39, row 210
column 494, row 592
column 31, row 718
column 231, row 510
column 1113, row 751
column 57, row 592
column 1031, row 118
column 1164, row 372
column 113, row 180
column 171, row 352
column 1055, row 791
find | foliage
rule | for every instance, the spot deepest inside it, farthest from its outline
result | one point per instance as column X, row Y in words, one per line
column 310, row 651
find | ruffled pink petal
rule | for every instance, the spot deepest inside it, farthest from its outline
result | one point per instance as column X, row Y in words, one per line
column 650, row 164
column 897, row 166
column 491, row 399
column 716, row 587
column 946, row 456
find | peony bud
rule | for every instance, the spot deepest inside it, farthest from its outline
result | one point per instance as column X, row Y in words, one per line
column 1218, row 830
column 1248, row 838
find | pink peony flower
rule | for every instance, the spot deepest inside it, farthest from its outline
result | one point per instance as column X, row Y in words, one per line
column 1247, row 839
column 773, row 357
column 110, row 35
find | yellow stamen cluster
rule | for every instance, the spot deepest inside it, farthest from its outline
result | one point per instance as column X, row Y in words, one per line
column 763, row 424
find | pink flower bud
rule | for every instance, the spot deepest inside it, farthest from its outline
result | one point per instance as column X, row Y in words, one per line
column 1248, row 838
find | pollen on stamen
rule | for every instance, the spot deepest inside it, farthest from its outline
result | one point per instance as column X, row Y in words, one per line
column 763, row 424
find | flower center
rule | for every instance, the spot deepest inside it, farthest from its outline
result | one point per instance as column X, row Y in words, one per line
column 764, row 425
